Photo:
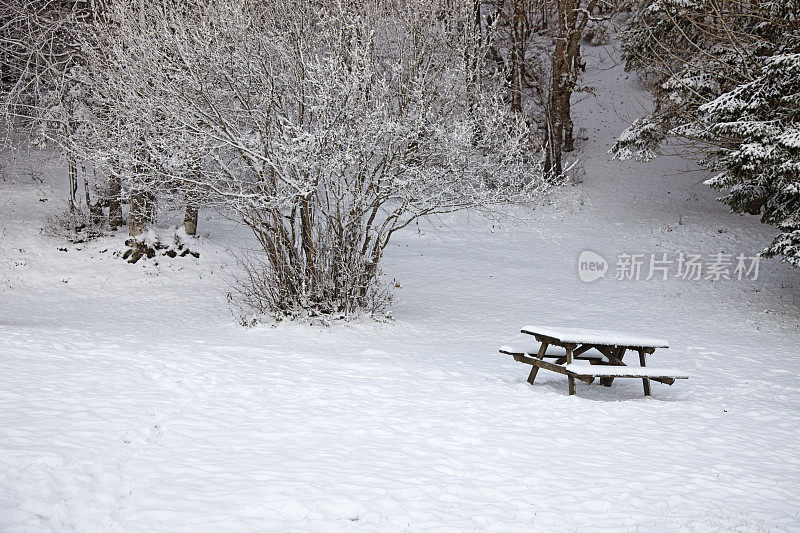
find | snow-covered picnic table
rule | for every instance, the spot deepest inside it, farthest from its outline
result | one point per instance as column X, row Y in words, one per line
column 604, row 350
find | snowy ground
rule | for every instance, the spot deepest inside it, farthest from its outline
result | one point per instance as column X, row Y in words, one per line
column 131, row 401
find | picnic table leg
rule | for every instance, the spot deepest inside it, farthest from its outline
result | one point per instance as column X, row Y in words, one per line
column 645, row 381
column 535, row 369
column 571, row 378
column 619, row 353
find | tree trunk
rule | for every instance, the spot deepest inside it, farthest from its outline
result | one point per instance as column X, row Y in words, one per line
column 115, row 219
column 473, row 52
column 137, row 219
column 95, row 210
column 552, row 159
column 190, row 219
column 572, row 22
column 151, row 205
column 555, row 118
column 569, row 138
column 72, row 172
column 577, row 24
column 140, row 210
column 306, row 236
column 517, row 55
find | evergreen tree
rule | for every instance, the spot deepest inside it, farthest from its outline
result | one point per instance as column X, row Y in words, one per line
column 726, row 74
column 762, row 168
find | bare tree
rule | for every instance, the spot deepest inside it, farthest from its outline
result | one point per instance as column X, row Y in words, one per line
column 518, row 49
column 326, row 128
column 42, row 84
column 572, row 16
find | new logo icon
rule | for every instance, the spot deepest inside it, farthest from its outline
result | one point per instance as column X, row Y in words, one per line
column 591, row 266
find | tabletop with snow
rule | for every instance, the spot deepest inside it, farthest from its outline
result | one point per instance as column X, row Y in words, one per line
column 594, row 336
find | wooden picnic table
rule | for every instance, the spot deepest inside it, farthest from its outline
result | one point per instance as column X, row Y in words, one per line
column 604, row 350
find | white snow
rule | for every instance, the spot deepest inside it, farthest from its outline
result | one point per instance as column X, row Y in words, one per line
column 790, row 138
column 131, row 400
column 594, row 336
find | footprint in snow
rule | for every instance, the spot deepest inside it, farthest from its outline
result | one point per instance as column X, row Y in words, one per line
column 372, row 352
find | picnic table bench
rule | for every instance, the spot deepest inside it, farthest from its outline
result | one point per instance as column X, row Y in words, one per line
column 604, row 350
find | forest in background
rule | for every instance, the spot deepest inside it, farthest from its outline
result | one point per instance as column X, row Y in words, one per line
column 326, row 127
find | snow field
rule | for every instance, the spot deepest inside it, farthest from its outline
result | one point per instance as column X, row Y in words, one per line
column 130, row 400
